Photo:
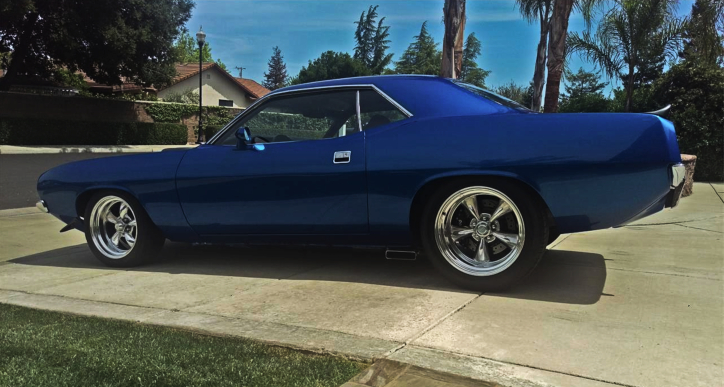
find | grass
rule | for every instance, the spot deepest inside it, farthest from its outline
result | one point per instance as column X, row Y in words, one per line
column 40, row 348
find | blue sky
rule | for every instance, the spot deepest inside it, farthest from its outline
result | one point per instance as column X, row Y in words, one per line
column 243, row 32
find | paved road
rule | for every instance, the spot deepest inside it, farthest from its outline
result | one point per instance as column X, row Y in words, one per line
column 19, row 175
column 639, row 305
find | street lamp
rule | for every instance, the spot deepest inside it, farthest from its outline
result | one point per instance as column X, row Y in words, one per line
column 200, row 39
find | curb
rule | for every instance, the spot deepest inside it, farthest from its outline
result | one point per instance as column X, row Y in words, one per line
column 34, row 150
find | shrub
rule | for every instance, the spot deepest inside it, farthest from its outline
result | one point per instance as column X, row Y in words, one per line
column 585, row 103
column 696, row 95
column 22, row 131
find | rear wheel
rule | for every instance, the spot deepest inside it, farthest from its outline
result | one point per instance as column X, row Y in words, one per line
column 483, row 235
column 118, row 230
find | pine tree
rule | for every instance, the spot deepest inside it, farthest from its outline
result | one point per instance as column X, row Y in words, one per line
column 372, row 41
column 702, row 40
column 469, row 71
column 583, row 82
column 421, row 56
column 277, row 75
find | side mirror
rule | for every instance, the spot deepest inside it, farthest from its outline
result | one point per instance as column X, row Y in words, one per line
column 243, row 138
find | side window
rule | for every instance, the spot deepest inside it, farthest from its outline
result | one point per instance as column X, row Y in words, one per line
column 300, row 117
column 375, row 110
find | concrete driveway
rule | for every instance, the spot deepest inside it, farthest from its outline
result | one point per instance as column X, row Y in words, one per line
column 635, row 306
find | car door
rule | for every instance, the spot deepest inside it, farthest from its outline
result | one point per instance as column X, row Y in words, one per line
column 305, row 176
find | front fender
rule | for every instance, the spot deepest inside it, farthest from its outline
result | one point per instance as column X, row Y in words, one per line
column 149, row 177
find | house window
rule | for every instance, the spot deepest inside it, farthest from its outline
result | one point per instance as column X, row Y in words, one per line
column 208, row 76
column 226, row 102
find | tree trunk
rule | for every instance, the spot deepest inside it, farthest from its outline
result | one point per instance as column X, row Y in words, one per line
column 629, row 87
column 452, row 46
column 557, row 52
column 17, row 58
column 540, row 65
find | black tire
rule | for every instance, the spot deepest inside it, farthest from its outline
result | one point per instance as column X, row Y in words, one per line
column 149, row 239
column 534, row 245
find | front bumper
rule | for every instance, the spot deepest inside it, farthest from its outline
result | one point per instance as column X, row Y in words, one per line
column 678, row 175
column 42, row 206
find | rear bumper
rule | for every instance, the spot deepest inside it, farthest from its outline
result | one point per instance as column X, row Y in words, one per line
column 678, row 174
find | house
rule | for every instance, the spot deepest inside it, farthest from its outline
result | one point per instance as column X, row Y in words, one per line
column 219, row 87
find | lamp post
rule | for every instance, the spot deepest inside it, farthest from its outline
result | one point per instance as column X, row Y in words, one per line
column 200, row 39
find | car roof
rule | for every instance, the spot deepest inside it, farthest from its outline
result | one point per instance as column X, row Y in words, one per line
column 421, row 95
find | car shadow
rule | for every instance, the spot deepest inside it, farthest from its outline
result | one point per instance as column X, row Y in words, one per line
column 569, row 277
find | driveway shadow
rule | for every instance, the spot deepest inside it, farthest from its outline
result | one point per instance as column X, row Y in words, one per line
column 569, row 277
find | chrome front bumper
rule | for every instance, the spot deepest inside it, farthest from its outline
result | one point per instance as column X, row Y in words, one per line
column 678, row 175
column 41, row 206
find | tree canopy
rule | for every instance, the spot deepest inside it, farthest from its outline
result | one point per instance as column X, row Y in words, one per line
column 372, row 41
column 422, row 55
column 634, row 36
column 469, row 71
column 702, row 40
column 277, row 75
column 187, row 51
column 331, row 65
column 583, row 93
column 107, row 40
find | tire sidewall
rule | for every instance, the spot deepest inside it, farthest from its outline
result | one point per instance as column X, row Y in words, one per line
column 534, row 245
column 149, row 239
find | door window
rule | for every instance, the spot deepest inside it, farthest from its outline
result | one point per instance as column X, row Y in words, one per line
column 376, row 111
column 300, row 117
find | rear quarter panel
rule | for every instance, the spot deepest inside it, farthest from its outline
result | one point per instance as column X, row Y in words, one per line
column 593, row 171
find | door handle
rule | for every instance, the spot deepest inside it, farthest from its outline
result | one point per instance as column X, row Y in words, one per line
column 342, row 157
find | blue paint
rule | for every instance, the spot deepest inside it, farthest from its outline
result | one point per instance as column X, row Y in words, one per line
column 593, row 171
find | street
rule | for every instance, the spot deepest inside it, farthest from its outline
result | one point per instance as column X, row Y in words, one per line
column 634, row 306
column 19, row 175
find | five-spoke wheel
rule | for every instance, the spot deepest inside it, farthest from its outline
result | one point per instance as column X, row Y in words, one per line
column 118, row 230
column 483, row 235
column 113, row 227
column 480, row 231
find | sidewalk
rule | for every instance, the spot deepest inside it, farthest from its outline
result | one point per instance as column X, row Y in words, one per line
column 35, row 150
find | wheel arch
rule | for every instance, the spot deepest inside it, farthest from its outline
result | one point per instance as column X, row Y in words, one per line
column 81, row 201
column 426, row 189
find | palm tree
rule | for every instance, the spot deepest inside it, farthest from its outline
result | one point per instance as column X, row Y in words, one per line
column 452, row 43
column 557, row 37
column 538, row 10
column 629, row 32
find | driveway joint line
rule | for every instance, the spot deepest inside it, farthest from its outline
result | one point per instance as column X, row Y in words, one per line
column 659, row 273
column 698, row 228
column 430, row 327
column 528, row 366
column 677, row 222
column 716, row 192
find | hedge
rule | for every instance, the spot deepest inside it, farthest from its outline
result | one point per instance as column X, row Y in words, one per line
column 696, row 95
column 211, row 130
column 23, row 131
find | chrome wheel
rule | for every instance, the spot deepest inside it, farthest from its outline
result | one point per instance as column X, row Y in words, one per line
column 113, row 227
column 479, row 231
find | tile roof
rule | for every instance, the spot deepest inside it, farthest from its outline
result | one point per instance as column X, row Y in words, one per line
column 256, row 89
column 188, row 70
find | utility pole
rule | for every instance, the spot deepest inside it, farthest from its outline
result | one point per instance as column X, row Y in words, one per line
column 241, row 70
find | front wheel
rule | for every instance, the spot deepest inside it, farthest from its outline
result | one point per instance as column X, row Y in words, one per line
column 118, row 230
column 483, row 235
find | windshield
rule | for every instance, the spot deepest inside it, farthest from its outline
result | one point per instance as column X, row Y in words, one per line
column 489, row 95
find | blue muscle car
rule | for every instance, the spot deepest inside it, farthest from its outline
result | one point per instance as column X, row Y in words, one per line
column 477, row 182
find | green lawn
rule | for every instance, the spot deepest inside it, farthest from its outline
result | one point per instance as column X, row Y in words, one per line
column 39, row 348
